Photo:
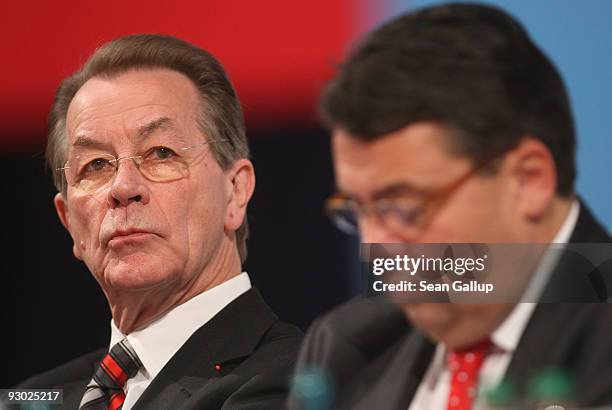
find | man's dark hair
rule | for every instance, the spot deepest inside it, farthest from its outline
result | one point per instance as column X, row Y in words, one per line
column 472, row 68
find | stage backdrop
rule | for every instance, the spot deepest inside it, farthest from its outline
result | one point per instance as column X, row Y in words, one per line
column 279, row 54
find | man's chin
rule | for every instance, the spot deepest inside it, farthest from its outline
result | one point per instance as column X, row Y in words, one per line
column 432, row 318
column 136, row 277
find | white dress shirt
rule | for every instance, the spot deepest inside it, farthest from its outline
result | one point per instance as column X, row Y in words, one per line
column 160, row 340
column 432, row 393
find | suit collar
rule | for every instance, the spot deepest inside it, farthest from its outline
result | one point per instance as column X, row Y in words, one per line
column 572, row 280
column 588, row 229
column 232, row 334
column 575, row 278
column 394, row 379
column 243, row 322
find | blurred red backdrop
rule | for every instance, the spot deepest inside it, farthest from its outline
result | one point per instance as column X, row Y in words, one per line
column 278, row 53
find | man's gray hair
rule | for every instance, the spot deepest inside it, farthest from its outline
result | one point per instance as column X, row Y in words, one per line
column 221, row 114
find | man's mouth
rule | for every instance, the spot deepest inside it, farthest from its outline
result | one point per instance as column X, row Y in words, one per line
column 124, row 236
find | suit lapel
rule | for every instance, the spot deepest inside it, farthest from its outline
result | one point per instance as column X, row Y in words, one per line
column 392, row 382
column 588, row 229
column 540, row 344
column 575, row 278
column 73, row 393
column 230, row 336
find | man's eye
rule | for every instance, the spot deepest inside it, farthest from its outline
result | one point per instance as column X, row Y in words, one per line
column 408, row 216
column 161, row 153
column 401, row 213
column 98, row 164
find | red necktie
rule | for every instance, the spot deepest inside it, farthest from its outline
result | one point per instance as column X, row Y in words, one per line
column 464, row 366
column 105, row 390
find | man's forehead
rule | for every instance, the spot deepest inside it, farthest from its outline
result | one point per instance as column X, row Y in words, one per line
column 134, row 101
column 406, row 160
column 143, row 129
column 430, row 136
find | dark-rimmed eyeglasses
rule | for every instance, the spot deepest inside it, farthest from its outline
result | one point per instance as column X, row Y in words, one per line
column 406, row 216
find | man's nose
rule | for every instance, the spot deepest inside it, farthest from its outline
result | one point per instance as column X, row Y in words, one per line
column 128, row 185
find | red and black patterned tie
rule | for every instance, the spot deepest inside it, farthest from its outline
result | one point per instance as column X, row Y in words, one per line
column 105, row 390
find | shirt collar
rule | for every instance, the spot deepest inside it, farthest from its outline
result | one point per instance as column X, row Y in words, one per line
column 161, row 339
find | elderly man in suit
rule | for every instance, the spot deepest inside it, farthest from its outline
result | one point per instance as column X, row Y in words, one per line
column 148, row 147
column 449, row 125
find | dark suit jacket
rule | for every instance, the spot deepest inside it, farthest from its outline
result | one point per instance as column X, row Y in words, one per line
column 376, row 360
column 255, row 350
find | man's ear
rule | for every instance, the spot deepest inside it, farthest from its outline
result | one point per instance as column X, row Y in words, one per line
column 534, row 173
column 61, row 207
column 242, row 184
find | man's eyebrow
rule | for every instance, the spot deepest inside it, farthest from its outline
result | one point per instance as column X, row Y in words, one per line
column 152, row 126
column 396, row 189
column 143, row 132
column 389, row 191
column 84, row 141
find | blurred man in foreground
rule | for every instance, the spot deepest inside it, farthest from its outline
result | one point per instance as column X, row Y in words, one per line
column 450, row 125
column 150, row 156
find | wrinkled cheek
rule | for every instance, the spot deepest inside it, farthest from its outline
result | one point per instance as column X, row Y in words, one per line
column 204, row 228
column 86, row 218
